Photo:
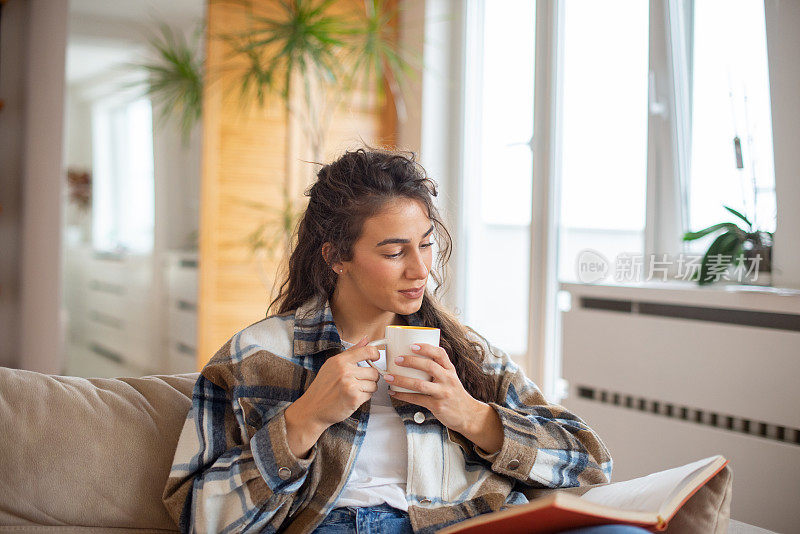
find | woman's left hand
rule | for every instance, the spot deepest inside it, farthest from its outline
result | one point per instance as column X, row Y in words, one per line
column 445, row 397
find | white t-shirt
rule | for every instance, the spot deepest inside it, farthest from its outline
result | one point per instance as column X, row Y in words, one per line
column 380, row 471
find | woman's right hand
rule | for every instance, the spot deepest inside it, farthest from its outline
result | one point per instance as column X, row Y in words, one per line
column 340, row 387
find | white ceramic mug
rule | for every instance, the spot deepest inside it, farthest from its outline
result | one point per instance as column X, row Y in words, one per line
column 398, row 342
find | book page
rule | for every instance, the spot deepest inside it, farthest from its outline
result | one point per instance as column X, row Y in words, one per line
column 648, row 493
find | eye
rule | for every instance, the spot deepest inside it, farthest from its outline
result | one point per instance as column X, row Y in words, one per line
column 398, row 254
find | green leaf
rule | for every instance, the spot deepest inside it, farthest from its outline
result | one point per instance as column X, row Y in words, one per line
column 175, row 77
column 724, row 245
column 731, row 227
column 742, row 217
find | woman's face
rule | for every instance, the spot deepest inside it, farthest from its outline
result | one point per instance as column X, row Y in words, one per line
column 391, row 260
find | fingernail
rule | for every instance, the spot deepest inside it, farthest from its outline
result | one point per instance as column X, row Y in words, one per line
column 414, row 347
column 391, row 393
column 399, row 359
column 388, row 377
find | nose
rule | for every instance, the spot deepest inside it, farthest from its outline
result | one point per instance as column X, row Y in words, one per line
column 417, row 268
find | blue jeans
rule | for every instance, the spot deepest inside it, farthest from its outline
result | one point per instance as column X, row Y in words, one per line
column 381, row 519
column 384, row 519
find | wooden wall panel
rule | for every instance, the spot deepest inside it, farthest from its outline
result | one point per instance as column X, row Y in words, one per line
column 245, row 159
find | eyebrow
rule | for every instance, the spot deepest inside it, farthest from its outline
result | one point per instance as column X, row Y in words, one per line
column 393, row 240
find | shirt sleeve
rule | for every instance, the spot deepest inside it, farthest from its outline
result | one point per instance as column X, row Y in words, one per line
column 544, row 445
column 223, row 480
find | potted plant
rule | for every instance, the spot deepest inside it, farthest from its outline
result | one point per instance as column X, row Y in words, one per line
column 733, row 246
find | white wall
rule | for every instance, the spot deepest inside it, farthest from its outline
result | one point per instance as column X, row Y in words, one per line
column 78, row 139
column 177, row 170
column 783, row 49
column 40, row 346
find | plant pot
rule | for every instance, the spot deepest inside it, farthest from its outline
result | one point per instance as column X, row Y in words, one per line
column 757, row 259
column 759, row 245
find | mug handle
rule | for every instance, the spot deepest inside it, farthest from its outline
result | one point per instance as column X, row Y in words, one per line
column 377, row 343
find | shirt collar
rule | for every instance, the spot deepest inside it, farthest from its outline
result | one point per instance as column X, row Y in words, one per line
column 315, row 331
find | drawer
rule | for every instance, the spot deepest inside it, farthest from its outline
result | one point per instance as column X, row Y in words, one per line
column 182, row 284
column 183, row 327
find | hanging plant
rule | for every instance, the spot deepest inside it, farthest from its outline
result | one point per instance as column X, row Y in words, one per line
column 175, row 77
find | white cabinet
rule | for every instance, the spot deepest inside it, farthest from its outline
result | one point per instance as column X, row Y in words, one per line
column 112, row 307
column 130, row 315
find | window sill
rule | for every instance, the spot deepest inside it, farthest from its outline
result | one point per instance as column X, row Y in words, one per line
column 734, row 296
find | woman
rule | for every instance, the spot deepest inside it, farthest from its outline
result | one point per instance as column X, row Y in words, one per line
column 291, row 428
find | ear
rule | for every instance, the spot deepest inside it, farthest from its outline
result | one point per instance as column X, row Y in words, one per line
column 327, row 252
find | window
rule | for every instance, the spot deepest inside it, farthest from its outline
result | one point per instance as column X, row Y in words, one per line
column 731, row 148
column 123, row 214
column 645, row 102
column 602, row 118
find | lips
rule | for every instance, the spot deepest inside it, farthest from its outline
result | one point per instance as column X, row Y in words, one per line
column 413, row 293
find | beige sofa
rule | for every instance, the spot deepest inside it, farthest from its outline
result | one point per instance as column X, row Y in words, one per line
column 92, row 455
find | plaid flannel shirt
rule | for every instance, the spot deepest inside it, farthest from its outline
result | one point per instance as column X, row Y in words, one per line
column 233, row 469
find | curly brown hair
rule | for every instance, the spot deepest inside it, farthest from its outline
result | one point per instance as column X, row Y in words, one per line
column 346, row 193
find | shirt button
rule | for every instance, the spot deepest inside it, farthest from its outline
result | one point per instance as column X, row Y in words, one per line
column 425, row 501
column 284, row 473
column 419, row 417
column 513, row 464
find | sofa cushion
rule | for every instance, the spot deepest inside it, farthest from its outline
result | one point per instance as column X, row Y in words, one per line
column 88, row 452
column 709, row 510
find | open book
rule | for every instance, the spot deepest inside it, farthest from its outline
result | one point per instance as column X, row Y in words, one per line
column 649, row 502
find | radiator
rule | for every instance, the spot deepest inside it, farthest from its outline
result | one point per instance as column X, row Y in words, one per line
column 670, row 374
